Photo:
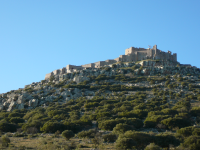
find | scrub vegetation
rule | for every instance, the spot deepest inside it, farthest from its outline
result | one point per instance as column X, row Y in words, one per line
column 121, row 114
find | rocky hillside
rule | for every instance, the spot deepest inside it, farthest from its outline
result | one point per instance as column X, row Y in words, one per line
column 87, row 83
column 131, row 104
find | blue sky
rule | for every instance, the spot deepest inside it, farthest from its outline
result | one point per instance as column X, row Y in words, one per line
column 37, row 37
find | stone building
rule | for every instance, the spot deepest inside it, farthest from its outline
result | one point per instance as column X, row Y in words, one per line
column 132, row 54
column 137, row 54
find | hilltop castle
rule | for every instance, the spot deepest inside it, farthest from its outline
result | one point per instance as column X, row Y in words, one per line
column 132, row 54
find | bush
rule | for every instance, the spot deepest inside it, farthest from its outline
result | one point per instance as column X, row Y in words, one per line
column 152, row 146
column 107, row 124
column 7, row 127
column 110, row 124
column 164, row 140
column 152, row 120
column 35, row 123
column 192, row 142
column 15, row 114
column 188, row 131
column 196, row 131
column 90, row 133
column 121, row 128
column 16, row 120
column 142, row 139
column 140, row 113
column 195, row 111
column 52, row 78
column 109, row 137
column 52, row 127
column 5, row 141
column 176, row 122
column 168, row 111
column 125, row 143
column 114, row 66
column 68, row 134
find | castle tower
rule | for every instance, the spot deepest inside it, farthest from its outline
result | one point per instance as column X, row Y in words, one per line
column 130, row 50
column 155, row 48
column 174, row 57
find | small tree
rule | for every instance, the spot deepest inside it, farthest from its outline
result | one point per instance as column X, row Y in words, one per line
column 68, row 134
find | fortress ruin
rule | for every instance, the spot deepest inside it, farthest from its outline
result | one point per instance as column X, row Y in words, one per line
column 132, row 54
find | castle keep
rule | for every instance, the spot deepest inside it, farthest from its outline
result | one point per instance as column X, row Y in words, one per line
column 132, row 54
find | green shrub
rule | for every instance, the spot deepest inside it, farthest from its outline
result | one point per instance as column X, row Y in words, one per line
column 121, row 128
column 142, row 139
column 35, row 123
column 168, row 111
column 52, row 127
column 53, row 113
column 90, row 133
column 188, row 131
column 196, row 131
column 5, row 141
column 109, row 137
column 52, row 78
column 152, row 146
column 7, row 127
column 114, row 66
column 140, row 113
column 152, row 121
column 15, row 114
column 110, row 124
column 176, row 122
column 68, row 134
column 192, row 142
column 125, row 143
column 164, row 140
column 195, row 111
column 16, row 120
column 107, row 124
column 182, row 115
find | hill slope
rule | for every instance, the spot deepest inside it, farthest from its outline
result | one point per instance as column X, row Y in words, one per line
column 129, row 99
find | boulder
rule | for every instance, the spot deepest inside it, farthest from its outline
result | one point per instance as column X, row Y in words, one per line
column 11, row 106
column 79, row 79
column 33, row 103
column 20, row 106
column 21, row 99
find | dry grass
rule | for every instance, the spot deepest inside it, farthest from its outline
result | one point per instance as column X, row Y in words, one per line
column 48, row 142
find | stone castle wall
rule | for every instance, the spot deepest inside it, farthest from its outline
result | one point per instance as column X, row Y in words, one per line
column 131, row 54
